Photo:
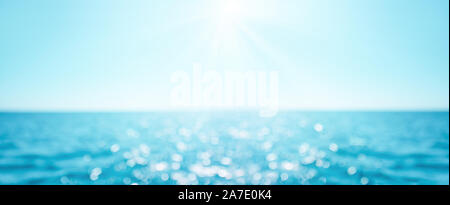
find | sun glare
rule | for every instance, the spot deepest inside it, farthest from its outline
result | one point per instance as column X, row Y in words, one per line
column 231, row 11
column 232, row 7
column 232, row 21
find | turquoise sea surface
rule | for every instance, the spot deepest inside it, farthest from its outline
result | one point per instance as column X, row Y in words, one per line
column 225, row 148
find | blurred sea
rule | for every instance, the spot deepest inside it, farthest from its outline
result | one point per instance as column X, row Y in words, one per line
column 225, row 148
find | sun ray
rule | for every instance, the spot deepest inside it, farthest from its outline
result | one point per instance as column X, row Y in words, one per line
column 262, row 45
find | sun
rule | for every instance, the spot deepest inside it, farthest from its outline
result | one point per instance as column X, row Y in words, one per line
column 228, row 16
column 231, row 26
column 232, row 8
column 231, row 11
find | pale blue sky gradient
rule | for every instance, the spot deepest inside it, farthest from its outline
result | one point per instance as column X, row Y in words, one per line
column 119, row 55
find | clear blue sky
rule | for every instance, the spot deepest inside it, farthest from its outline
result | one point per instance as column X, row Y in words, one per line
column 119, row 55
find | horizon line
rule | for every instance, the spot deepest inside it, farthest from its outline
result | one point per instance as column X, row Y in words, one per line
column 223, row 109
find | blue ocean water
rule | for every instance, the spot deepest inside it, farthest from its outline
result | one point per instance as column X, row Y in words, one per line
column 225, row 148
